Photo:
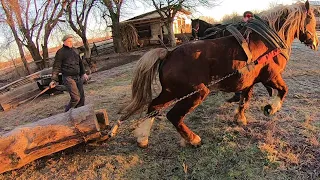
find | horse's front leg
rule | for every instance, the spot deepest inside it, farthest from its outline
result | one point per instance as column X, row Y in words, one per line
column 277, row 83
column 243, row 105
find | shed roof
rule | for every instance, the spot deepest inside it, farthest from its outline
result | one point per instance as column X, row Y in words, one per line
column 152, row 16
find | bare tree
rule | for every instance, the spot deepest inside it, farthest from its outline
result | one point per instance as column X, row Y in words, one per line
column 8, row 10
column 78, row 12
column 231, row 18
column 104, row 14
column 32, row 22
column 168, row 9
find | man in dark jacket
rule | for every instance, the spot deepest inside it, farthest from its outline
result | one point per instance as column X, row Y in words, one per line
column 68, row 62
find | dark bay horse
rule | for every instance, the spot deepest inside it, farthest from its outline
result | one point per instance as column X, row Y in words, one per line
column 199, row 28
column 192, row 66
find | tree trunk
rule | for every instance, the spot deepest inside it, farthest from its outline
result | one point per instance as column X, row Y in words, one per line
column 32, row 141
column 23, row 58
column 172, row 38
column 85, row 42
column 117, row 43
column 45, row 52
column 34, row 51
column 87, row 55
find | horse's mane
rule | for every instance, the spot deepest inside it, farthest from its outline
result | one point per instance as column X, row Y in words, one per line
column 292, row 16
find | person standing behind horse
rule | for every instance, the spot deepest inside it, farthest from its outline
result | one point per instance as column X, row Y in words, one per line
column 246, row 17
column 68, row 62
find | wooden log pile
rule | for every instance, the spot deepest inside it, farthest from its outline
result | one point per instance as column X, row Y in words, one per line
column 32, row 141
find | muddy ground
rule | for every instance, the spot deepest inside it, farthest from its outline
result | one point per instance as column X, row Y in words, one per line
column 284, row 146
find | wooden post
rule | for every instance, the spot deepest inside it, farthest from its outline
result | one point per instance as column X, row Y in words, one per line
column 32, row 141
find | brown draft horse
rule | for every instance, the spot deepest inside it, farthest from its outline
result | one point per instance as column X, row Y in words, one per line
column 192, row 66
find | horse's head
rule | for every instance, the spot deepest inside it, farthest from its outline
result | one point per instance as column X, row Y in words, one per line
column 293, row 21
column 308, row 35
column 195, row 27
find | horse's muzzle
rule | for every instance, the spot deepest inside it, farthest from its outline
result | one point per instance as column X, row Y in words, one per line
column 312, row 43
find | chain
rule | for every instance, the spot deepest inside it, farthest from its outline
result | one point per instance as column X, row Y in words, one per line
column 156, row 112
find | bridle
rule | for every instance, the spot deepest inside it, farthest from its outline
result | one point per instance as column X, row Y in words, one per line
column 196, row 29
column 306, row 30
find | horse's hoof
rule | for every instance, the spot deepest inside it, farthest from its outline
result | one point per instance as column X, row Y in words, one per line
column 142, row 143
column 240, row 120
column 196, row 142
column 267, row 110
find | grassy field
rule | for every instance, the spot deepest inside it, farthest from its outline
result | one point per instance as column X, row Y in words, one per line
column 284, row 146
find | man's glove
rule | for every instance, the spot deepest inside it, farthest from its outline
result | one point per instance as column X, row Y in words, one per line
column 52, row 84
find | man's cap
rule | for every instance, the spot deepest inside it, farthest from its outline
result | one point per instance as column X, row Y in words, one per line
column 67, row 37
column 248, row 13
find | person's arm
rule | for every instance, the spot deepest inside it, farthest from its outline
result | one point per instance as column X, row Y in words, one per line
column 82, row 70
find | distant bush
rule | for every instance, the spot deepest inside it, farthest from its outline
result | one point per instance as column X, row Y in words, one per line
column 208, row 19
column 231, row 18
column 235, row 17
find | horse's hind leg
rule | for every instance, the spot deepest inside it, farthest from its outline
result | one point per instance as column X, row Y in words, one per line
column 142, row 132
column 177, row 114
column 243, row 105
column 277, row 83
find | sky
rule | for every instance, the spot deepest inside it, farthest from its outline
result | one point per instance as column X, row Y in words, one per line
column 239, row 6
column 226, row 7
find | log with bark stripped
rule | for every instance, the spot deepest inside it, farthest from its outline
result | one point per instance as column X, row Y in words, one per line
column 32, row 141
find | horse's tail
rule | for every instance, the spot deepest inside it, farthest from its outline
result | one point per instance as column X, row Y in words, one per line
column 144, row 75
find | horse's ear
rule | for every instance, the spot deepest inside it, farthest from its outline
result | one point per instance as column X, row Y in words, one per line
column 307, row 5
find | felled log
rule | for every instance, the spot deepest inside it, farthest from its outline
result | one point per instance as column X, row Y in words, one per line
column 32, row 141
column 12, row 98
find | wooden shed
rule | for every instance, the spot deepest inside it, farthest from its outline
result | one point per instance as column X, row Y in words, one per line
column 151, row 27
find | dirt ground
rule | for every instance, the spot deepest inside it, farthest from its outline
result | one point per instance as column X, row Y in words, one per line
column 284, row 146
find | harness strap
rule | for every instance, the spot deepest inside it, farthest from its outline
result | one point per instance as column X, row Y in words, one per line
column 242, row 41
column 261, row 60
column 268, row 56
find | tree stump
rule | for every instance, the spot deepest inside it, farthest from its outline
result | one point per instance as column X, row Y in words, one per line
column 32, row 141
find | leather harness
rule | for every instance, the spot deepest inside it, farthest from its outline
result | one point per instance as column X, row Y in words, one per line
column 260, row 27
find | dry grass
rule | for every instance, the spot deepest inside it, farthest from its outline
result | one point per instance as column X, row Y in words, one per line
column 284, row 146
